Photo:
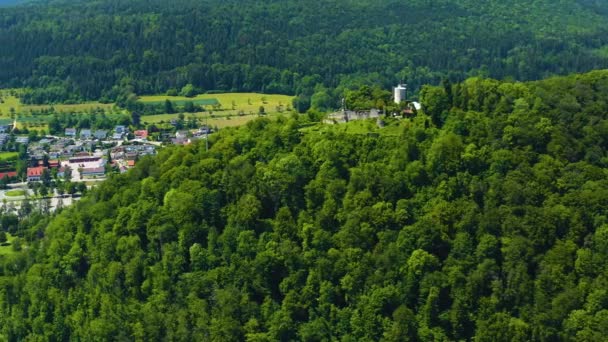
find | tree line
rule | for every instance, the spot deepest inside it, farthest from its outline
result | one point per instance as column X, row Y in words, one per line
column 108, row 50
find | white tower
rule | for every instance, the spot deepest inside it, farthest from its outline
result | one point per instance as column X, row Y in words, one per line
column 400, row 93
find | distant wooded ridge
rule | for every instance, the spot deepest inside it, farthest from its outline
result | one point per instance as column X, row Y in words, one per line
column 108, row 50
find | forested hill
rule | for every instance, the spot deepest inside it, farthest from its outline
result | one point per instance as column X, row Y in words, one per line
column 74, row 50
column 486, row 220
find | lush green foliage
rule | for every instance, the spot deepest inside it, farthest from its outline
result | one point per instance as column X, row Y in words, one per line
column 491, row 224
column 67, row 51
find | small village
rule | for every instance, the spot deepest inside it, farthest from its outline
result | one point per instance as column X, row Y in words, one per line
column 61, row 168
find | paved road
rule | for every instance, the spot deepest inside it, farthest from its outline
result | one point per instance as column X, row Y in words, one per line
column 12, row 198
column 15, row 201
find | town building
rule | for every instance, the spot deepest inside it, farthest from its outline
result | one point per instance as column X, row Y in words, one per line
column 101, row 134
column 93, row 172
column 141, row 134
column 85, row 134
column 22, row 139
column 34, row 174
column 70, row 132
column 10, row 174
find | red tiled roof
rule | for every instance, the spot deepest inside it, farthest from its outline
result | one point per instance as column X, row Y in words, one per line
column 35, row 171
column 8, row 174
column 130, row 163
column 141, row 133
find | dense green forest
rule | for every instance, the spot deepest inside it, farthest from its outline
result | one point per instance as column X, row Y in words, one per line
column 485, row 218
column 69, row 51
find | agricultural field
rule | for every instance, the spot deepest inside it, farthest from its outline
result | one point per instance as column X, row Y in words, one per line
column 25, row 119
column 8, row 101
column 225, row 107
column 216, row 121
column 69, row 108
column 229, row 109
column 230, row 103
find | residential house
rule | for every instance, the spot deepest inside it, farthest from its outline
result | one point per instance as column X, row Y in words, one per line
column 10, row 174
column 35, row 173
column 3, row 138
column 85, row 134
column 131, row 155
column 120, row 129
column 180, row 141
column 71, row 149
column 37, row 154
column 22, row 139
column 101, row 134
column 141, row 134
column 70, row 132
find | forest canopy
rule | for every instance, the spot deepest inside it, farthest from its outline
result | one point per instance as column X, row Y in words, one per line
column 107, row 49
column 484, row 218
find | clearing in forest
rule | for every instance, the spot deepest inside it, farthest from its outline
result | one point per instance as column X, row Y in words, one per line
column 8, row 104
column 229, row 103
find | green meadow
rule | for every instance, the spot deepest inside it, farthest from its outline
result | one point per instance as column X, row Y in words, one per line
column 227, row 109
column 8, row 102
column 6, row 248
column 219, row 121
column 70, row 108
column 8, row 156
column 229, row 103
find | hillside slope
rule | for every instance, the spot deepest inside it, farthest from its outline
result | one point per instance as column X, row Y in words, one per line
column 485, row 220
column 74, row 50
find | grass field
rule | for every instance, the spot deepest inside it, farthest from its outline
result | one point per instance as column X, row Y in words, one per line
column 68, row 108
column 8, row 155
column 15, row 193
column 225, row 107
column 200, row 102
column 393, row 127
column 231, row 103
column 10, row 101
column 8, row 248
column 7, row 103
column 225, row 120
column 227, row 115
